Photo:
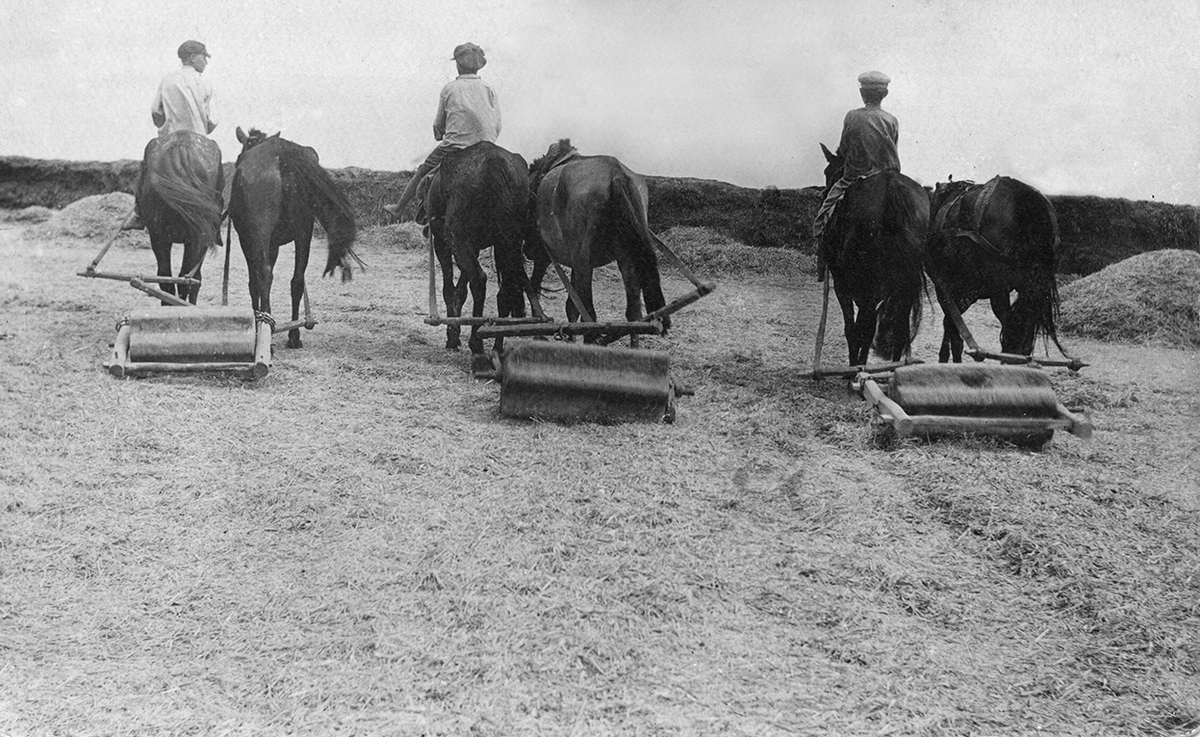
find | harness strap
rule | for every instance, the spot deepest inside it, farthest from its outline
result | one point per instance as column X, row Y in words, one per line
column 985, row 192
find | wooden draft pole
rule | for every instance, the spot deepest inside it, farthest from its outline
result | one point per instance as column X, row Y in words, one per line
column 816, row 364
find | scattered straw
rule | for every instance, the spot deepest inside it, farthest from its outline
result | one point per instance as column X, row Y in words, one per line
column 1150, row 298
column 32, row 214
column 360, row 544
column 403, row 236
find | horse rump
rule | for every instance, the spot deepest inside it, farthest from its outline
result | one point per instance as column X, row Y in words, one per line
column 988, row 241
column 627, row 216
column 180, row 191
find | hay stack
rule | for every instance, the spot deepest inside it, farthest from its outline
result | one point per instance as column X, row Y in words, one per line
column 1150, row 298
column 91, row 218
column 709, row 253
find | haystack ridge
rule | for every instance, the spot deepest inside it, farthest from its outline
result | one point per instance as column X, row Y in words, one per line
column 1150, row 298
column 96, row 217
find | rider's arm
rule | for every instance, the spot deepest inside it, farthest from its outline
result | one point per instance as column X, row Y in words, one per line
column 439, row 121
column 157, row 113
column 211, row 119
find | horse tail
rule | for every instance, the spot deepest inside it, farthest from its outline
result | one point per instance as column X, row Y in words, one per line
column 1039, row 257
column 331, row 208
column 629, row 217
column 183, row 188
column 904, row 229
column 505, row 206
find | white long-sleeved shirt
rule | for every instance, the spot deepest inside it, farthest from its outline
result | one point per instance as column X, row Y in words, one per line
column 185, row 99
column 468, row 112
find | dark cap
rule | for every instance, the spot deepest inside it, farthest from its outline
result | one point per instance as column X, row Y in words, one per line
column 188, row 49
column 469, row 56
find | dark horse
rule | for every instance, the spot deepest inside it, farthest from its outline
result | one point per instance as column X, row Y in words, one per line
column 874, row 246
column 478, row 199
column 590, row 211
column 179, row 200
column 988, row 241
column 279, row 187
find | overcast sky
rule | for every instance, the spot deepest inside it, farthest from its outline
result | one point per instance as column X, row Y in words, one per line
column 1073, row 96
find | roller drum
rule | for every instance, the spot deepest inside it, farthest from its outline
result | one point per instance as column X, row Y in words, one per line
column 192, row 335
column 556, row 380
column 974, row 390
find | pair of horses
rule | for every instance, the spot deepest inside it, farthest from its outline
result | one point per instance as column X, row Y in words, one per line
column 279, row 190
column 582, row 212
column 975, row 242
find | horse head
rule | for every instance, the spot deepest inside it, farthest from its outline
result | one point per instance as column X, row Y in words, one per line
column 834, row 168
column 253, row 138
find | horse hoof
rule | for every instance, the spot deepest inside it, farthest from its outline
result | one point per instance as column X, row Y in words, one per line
column 297, row 343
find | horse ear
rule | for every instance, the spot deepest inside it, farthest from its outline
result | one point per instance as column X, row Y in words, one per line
column 241, row 136
column 828, row 154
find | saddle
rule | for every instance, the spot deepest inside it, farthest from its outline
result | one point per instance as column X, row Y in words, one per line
column 962, row 215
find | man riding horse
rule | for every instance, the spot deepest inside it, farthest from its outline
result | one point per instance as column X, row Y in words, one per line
column 183, row 102
column 868, row 146
column 468, row 112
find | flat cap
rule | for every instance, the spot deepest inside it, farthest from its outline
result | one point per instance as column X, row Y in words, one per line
column 873, row 80
column 470, row 56
column 877, row 81
column 188, row 49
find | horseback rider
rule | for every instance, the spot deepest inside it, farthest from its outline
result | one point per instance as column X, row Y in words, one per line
column 183, row 102
column 468, row 112
column 868, row 146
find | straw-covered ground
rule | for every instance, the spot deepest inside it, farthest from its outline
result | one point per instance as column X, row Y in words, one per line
column 360, row 544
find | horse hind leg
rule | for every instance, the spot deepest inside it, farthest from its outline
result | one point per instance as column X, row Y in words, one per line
column 449, row 288
column 849, row 328
column 1018, row 327
column 476, row 279
column 581, row 279
column 303, row 246
column 633, row 296
column 193, row 256
column 162, row 258
column 864, row 334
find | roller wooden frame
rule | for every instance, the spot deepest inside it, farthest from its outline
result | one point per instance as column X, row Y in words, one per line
column 119, row 364
column 867, row 384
